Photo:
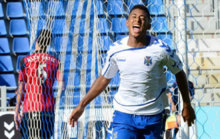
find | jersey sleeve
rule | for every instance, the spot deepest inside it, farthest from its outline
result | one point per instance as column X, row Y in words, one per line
column 110, row 68
column 172, row 61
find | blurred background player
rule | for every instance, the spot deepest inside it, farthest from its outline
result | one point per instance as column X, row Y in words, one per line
column 139, row 102
column 172, row 112
column 37, row 75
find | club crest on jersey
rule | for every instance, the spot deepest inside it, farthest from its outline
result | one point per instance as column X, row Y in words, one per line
column 148, row 60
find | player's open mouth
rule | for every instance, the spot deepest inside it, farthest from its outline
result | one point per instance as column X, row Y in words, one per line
column 136, row 28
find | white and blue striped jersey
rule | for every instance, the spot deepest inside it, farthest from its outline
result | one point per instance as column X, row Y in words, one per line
column 142, row 79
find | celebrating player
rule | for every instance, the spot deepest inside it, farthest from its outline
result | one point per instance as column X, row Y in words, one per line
column 139, row 102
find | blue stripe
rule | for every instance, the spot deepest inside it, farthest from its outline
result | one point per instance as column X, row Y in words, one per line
column 144, row 103
column 106, row 70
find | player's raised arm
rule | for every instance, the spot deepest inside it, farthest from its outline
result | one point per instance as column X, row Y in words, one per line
column 188, row 112
column 97, row 87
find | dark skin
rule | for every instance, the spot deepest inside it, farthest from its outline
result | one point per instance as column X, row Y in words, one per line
column 137, row 23
column 188, row 112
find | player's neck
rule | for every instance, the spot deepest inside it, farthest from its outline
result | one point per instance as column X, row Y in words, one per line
column 38, row 49
column 137, row 42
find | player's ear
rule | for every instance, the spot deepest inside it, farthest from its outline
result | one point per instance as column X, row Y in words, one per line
column 127, row 23
column 147, row 26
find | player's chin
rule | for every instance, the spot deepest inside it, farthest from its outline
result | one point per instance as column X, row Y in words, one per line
column 137, row 35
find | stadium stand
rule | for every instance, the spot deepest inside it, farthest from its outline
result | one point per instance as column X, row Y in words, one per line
column 6, row 63
column 131, row 3
column 59, row 43
column 60, row 12
column 103, row 25
column 11, row 99
column 115, row 8
column 20, row 45
column 59, row 23
column 106, row 40
column 17, row 27
column 14, row 10
column 80, row 13
column 84, row 29
column 99, row 7
column 84, row 61
column 4, row 46
column 39, row 7
column 120, row 36
column 159, row 24
column 1, row 11
column 13, row 43
column 156, row 7
column 118, row 25
column 69, row 64
column 8, row 79
column 41, row 22
column 3, row 31
column 81, row 44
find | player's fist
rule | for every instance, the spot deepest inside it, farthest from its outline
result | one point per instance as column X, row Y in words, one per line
column 75, row 115
column 188, row 114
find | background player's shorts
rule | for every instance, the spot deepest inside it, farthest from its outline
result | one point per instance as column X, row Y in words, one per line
column 130, row 126
column 38, row 125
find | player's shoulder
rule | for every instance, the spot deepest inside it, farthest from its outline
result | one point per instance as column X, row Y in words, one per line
column 160, row 44
column 53, row 56
column 25, row 58
column 24, row 61
column 156, row 42
column 118, row 45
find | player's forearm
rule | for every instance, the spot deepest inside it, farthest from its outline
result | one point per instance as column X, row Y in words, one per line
column 183, row 87
column 18, row 103
column 19, row 97
column 97, row 87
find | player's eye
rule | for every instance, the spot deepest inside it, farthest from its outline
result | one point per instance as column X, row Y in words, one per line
column 142, row 18
column 133, row 16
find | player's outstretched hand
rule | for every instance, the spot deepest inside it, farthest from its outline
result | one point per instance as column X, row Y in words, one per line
column 74, row 116
column 17, row 119
column 188, row 114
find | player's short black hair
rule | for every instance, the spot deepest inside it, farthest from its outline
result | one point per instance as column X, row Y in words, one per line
column 142, row 7
column 44, row 38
